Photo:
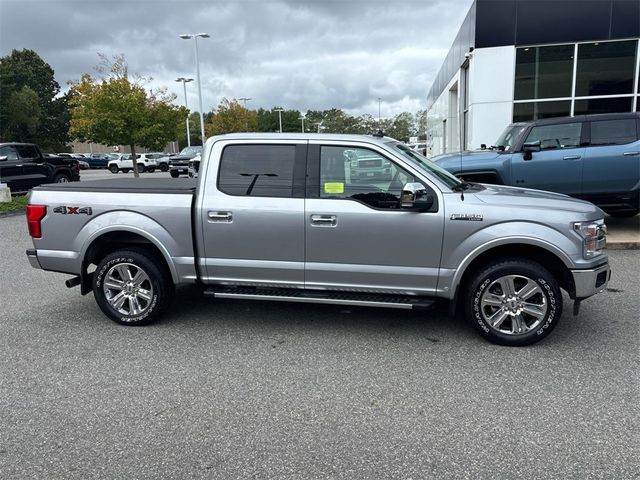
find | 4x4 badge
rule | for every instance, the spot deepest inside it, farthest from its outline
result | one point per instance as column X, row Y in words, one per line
column 73, row 210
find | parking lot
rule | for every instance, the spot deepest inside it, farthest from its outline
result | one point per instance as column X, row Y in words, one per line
column 226, row 389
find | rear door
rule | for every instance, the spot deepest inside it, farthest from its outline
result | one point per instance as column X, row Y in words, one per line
column 357, row 237
column 252, row 213
column 612, row 160
column 35, row 172
column 557, row 167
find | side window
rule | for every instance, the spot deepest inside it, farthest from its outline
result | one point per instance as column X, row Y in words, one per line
column 9, row 152
column 565, row 135
column 361, row 174
column 257, row 170
column 613, row 132
column 27, row 151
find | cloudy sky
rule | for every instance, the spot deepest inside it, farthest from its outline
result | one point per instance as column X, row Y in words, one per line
column 299, row 54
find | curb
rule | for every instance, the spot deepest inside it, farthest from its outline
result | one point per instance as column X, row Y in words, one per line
column 12, row 214
column 623, row 246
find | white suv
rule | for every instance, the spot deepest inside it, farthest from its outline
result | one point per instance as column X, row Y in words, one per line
column 146, row 163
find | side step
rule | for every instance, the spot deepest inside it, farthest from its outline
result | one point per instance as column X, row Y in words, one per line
column 314, row 296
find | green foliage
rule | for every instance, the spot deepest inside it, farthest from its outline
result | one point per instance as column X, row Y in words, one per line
column 118, row 111
column 18, row 202
column 268, row 121
column 29, row 109
column 231, row 117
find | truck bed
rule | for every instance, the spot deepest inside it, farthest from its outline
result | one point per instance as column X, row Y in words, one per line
column 127, row 185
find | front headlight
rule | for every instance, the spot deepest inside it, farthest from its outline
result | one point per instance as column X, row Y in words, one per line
column 594, row 237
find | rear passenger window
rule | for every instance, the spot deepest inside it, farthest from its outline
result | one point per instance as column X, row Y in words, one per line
column 8, row 152
column 557, row 136
column 27, row 151
column 613, row 132
column 257, row 170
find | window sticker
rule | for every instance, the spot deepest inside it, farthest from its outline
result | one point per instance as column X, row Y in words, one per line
column 334, row 187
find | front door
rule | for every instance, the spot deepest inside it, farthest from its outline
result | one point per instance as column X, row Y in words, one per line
column 557, row 167
column 357, row 237
column 252, row 214
column 11, row 171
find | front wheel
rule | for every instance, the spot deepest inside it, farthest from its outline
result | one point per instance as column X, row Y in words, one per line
column 514, row 302
column 151, row 169
column 131, row 287
column 174, row 174
column 164, row 167
column 114, row 169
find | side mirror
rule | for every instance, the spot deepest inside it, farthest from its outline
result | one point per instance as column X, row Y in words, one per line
column 3, row 158
column 414, row 196
column 529, row 148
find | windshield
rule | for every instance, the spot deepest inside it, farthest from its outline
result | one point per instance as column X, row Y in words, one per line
column 190, row 150
column 507, row 139
column 425, row 164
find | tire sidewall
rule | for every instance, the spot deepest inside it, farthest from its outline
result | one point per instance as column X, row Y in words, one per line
column 535, row 272
column 155, row 277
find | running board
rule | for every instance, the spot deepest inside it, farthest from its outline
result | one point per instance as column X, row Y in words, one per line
column 334, row 298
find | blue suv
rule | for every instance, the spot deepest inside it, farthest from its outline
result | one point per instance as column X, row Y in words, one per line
column 592, row 157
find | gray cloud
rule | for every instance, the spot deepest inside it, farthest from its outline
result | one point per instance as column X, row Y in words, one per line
column 299, row 54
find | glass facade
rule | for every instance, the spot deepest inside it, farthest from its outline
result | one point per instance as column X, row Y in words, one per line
column 576, row 79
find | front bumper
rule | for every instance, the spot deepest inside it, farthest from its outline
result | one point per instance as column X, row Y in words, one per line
column 591, row 281
column 32, row 255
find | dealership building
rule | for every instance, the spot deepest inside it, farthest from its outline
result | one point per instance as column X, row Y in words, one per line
column 519, row 60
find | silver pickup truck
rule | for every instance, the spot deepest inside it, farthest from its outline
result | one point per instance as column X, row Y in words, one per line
column 282, row 217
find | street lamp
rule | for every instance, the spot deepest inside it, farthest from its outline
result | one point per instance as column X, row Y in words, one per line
column 379, row 119
column 187, row 36
column 184, row 84
column 302, row 117
column 246, row 120
column 280, row 110
column 319, row 125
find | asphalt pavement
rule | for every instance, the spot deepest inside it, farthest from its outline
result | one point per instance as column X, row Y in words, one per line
column 238, row 389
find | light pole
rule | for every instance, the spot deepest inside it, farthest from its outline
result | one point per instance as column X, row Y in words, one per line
column 319, row 125
column 280, row 110
column 246, row 121
column 187, row 36
column 379, row 118
column 302, row 117
column 184, row 84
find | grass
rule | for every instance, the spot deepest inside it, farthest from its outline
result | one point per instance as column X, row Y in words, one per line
column 17, row 203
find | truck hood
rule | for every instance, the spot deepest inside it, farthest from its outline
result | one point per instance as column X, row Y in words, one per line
column 499, row 195
column 468, row 156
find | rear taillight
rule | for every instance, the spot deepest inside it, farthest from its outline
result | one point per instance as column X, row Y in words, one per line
column 35, row 213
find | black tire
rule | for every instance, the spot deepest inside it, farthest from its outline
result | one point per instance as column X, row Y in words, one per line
column 151, row 169
column 164, row 167
column 624, row 214
column 125, row 170
column 155, row 283
column 514, row 325
column 174, row 174
column 61, row 178
column 114, row 169
column 141, row 168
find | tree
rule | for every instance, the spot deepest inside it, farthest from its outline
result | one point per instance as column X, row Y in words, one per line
column 401, row 127
column 46, row 124
column 116, row 110
column 231, row 117
column 269, row 121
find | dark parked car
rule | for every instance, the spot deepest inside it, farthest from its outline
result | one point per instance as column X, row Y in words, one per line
column 99, row 160
column 180, row 162
column 593, row 157
column 23, row 166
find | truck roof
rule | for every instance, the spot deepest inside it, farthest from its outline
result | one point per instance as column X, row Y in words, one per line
column 303, row 136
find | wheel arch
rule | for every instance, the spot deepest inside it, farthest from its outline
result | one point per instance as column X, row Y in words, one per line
column 546, row 257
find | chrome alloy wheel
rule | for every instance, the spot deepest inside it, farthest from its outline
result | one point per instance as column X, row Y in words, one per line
column 128, row 289
column 513, row 304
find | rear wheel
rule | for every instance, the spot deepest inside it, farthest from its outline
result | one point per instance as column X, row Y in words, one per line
column 514, row 302
column 114, row 169
column 61, row 178
column 125, row 170
column 141, row 168
column 151, row 169
column 132, row 287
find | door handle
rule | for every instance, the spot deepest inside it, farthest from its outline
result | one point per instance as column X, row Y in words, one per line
column 220, row 217
column 572, row 157
column 631, row 154
column 324, row 220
